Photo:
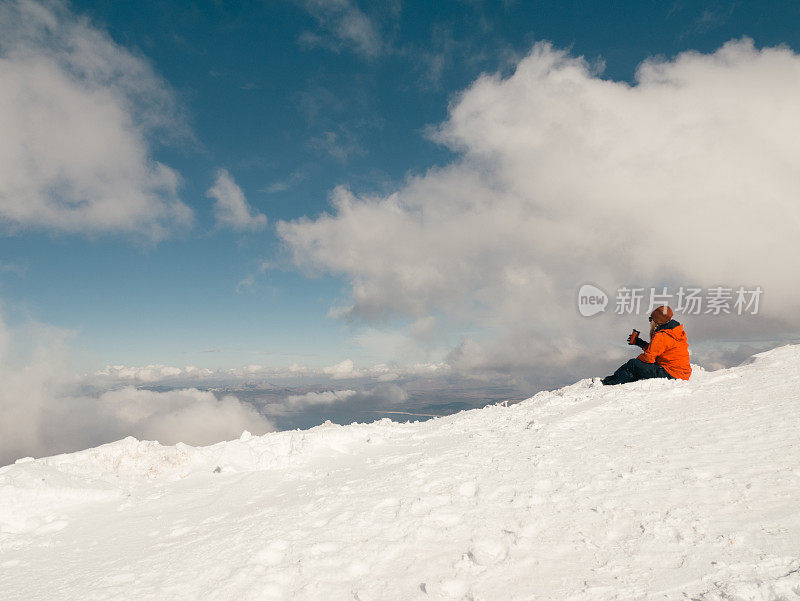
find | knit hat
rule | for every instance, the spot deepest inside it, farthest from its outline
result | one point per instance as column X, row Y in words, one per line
column 661, row 315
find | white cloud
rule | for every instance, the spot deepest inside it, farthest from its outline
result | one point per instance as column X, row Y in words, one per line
column 342, row 24
column 78, row 113
column 381, row 396
column 285, row 184
column 688, row 177
column 246, row 283
column 44, row 409
column 190, row 415
column 341, row 146
column 249, row 280
column 152, row 373
column 231, row 208
column 345, row 369
column 326, row 397
column 114, row 376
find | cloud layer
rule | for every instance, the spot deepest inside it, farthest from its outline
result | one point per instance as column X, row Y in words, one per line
column 78, row 114
column 190, row 376
column 44, row 410
column 687, row 177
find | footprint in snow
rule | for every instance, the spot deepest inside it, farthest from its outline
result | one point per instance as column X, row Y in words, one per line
column 488, row 550
column 452, row 588
column 468, row 489
column 272, row 554
column 386, row 510
column 53, row 525
column 424, row 505
column 323, row 548
column 445, row 517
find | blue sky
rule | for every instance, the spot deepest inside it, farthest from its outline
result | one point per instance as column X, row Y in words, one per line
column 293, row 99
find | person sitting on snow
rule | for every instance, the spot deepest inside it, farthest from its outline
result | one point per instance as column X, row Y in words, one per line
column 665, row 356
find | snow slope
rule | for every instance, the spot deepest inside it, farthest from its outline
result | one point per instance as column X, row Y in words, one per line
column 653, row 490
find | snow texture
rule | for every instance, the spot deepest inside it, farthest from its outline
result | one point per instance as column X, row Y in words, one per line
column 653, row 490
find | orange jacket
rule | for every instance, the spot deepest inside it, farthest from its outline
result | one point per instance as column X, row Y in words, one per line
column 669, row 348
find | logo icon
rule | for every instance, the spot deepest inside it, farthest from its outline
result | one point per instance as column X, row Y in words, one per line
column 591, row 300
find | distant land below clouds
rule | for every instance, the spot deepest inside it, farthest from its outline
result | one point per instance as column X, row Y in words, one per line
column 56, row 412
column 304, row 407
column 301, row 398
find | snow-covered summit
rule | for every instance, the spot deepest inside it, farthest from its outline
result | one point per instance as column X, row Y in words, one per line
column 652, row 490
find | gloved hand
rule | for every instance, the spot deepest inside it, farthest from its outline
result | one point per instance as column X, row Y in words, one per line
column 633, row 337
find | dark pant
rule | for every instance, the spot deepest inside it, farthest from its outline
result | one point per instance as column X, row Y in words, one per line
column 636, row 370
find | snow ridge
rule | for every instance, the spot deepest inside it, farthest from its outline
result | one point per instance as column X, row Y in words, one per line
column 653, row 490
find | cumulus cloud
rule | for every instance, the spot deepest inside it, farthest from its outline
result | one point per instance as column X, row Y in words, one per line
column 344, row 369
column 342, row 24
column 190, row 415
column 152, row 373
column 44, row 409
column 326, row 397
column 79, row 114
column 230, row 206
column 687, row 177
